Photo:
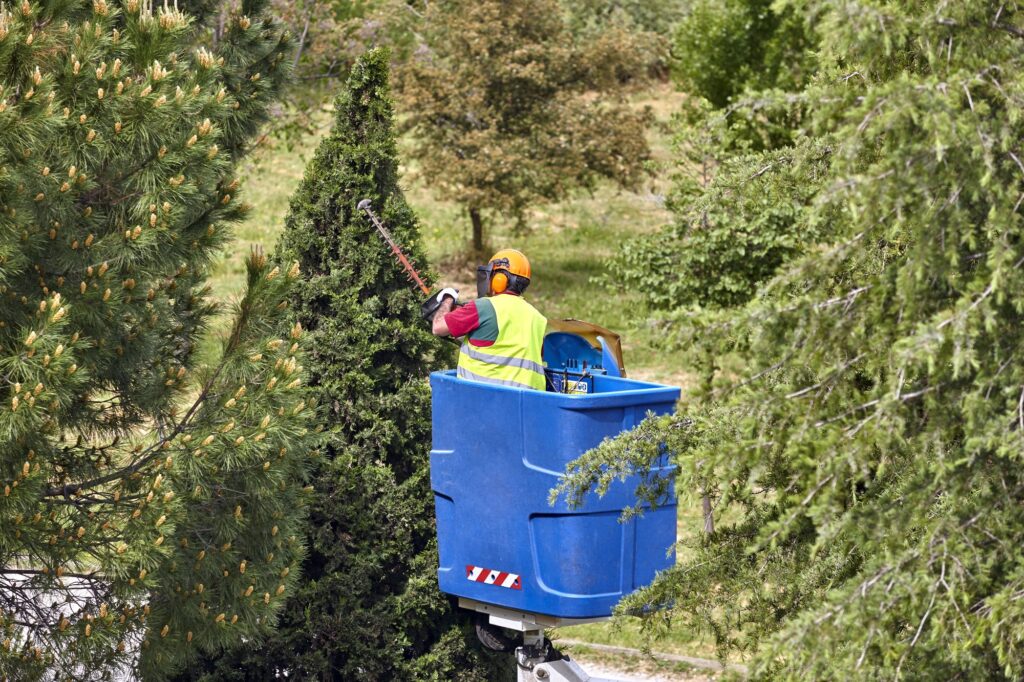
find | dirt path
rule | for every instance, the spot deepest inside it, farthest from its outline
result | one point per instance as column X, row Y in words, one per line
column 622, row 664
column 599, row 673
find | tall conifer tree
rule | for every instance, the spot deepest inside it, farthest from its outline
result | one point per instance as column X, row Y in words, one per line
column 864, row 426
column 369, row 608
column 145, row 515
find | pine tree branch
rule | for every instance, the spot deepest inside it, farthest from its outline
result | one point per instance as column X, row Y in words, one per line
column 1006, row 28
column 154, row 451
column 35, row 571
column 725, row 391
column 147, row 455
column 835, row 373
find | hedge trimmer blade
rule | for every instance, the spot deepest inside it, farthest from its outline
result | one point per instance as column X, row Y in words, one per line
column 402, row 259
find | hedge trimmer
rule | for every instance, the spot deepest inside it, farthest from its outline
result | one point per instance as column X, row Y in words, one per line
column 403, row 260
column 433, row 301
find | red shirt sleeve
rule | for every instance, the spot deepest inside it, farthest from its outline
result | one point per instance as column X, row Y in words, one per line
column 462, row 321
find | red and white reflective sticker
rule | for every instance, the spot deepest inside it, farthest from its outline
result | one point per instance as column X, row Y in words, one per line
column 489, row 576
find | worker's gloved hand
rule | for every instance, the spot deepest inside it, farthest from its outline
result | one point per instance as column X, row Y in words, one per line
column 448, row 292
column 429, row 307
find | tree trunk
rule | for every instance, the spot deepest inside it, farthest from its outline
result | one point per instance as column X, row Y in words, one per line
column 709, row 515
column 302, row 43
column 478, row 230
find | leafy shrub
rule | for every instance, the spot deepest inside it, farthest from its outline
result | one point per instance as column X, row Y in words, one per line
column 730, row 237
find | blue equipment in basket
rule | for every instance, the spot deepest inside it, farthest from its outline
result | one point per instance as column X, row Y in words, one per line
column 500, row 541
column 563, row 350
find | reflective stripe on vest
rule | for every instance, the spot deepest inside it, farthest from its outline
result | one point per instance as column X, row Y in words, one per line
column 522, row 363
column 515, row 357
column 464, row 373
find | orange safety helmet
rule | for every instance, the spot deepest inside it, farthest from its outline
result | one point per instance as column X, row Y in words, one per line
column 508, row 270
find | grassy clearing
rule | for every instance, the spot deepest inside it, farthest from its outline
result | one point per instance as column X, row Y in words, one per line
column 269, row 178
column 567, row 245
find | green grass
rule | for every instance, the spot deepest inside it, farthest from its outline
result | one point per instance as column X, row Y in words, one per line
column 568, row 245
column 270, row 176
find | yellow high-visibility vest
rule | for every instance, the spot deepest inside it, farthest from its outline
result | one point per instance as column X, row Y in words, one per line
column 515, row 357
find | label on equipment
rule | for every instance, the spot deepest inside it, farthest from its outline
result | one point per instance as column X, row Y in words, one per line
column 577, row 387
column 489, row 576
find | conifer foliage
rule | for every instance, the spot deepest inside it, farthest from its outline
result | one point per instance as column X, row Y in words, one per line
column 150, row 506
column 863, row 437
column 369, row 608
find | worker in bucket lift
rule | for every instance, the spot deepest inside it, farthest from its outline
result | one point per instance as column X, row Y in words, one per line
column 504, row 334
column 504, row 337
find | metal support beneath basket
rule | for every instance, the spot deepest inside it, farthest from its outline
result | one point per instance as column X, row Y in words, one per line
column 522, row 621
column 537, row 660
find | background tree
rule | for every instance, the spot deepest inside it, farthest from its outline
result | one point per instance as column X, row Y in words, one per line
column 736, row 220
column 150, row 505
column 645, row 25
column 743, row 169
column 865, row 425
column 723, row 47
column 651, row 16
column 369, row 607
column 508, row 110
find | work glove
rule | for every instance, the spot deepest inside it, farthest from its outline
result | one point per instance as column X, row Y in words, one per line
column 429, row 307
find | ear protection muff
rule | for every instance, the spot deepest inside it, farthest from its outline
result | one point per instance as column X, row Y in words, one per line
column 503, row 281
column 500, row 282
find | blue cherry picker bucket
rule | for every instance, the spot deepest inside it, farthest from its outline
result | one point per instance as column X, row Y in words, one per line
column 497, row 453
